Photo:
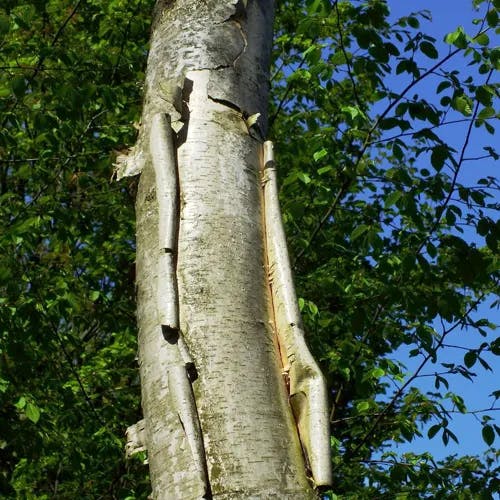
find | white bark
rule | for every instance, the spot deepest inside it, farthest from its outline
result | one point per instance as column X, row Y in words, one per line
column 307, row 386
column 207, row 70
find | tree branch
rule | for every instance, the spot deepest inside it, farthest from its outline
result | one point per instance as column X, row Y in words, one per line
column 401, row 390
column 364, row 148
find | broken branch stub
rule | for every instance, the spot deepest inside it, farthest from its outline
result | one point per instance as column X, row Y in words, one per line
column 136, row 439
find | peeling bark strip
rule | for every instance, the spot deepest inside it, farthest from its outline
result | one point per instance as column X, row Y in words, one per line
column 308, row 393
column 199, row 221
column 163, row 158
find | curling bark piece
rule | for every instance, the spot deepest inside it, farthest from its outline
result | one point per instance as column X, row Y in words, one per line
column 182, row 398
column 168, row 309
column 163, row 158
column 308, row 392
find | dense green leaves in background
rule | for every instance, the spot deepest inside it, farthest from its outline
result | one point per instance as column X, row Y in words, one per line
column 380, row 226
column 70, row 89
column 380, row 229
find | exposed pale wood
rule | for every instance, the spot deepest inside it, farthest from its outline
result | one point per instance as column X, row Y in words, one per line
column 308, row 392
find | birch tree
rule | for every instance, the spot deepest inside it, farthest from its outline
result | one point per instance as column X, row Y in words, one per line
column 392, row 228
column 229, row 388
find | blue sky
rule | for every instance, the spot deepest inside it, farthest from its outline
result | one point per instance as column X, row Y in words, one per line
column 447, row 15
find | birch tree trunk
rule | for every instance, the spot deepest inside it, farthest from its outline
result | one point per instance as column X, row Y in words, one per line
column 207, row 77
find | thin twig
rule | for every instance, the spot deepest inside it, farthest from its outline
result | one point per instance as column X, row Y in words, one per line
column 364, row 147
column 55, row 39
column 376, row 414
column 344, row 52
column 406, row 134
column 287, row 91
column 457, row 164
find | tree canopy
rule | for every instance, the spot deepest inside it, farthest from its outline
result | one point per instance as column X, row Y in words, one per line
column 393, row 252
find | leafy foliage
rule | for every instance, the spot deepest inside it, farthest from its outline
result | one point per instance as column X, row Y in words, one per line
column 394, row 253
column 69, row 92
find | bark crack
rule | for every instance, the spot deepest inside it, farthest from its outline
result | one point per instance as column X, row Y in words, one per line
column 250, row 120
column 228, row 104
column 243, row 37
column 239, row 15
column 187, row 89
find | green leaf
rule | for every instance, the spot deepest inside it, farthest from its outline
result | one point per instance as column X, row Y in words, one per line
column 362, row 406
column 438, row 156
column 32, row 412
column 492, row 18
column 352, row 111
column 313, row 308
column 486, row 113
column 324, row 170
column 312, row 54
column 457, row 38
column 489, row 128
column 320, row 154
column 392, row 198
column 21, row 403
column 358, row 231
column 397, row 151
column 450, row 217
column 337, row 58
column 483, row 227
column 413, row 22
column 304, row 177
column 388, row 123
column 443, row 85
column 482, row 39
column 484, row 94
column 478, row 197
column 429, row 50
column 431, row 250
column 433, row 431
column 495, row 57
column 488, row 434
column 449, row 434
column 377, row 373
column 301, row 303
column 19, row 86
column 463, row 105
column 470, row 359
column 484, row 364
